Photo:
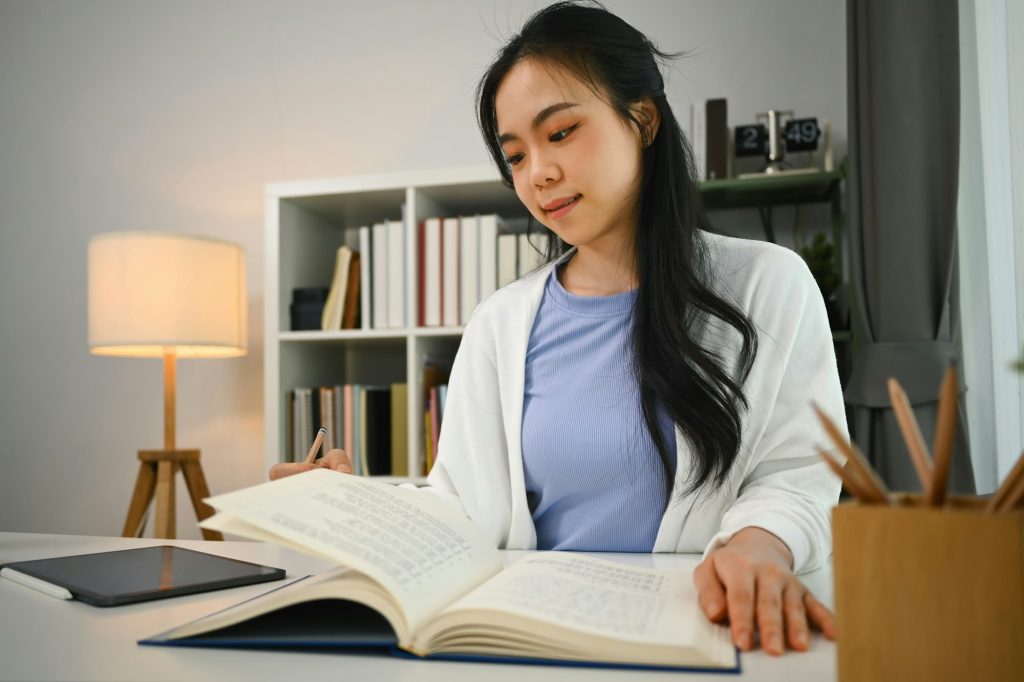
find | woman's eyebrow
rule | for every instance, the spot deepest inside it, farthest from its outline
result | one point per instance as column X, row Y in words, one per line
column 543, row 115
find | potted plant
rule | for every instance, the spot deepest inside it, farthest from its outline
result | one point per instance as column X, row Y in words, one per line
column 820, row 258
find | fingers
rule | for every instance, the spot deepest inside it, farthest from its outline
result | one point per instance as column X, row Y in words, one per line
column 770, row 582
column 795, row 615
column 289, row 469
column 710, row 591
column 336, row 460
column 820, row 615
column 738, row 577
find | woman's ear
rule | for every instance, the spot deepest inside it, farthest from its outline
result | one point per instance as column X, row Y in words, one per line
column 650, row 118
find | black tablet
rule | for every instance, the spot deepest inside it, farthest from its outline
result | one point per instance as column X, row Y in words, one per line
column 134, row 575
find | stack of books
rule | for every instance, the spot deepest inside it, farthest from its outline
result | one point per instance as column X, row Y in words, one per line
column 463, row 260
column 369, row 422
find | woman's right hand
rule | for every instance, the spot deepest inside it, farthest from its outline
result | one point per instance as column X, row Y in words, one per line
column 335, row 460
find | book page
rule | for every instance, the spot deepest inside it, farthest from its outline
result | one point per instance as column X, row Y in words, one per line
column 418, row 547
column 599, row 597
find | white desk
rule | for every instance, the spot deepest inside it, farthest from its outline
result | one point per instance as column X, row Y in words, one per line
column 42, row 638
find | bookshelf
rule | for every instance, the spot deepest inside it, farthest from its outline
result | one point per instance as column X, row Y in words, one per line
column 306, row 221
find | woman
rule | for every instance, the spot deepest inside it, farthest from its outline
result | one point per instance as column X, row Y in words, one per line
column 651, row 388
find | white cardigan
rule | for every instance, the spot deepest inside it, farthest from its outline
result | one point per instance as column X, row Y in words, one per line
column 778, row 483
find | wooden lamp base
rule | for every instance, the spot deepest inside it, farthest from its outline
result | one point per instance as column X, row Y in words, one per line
column 157, row 472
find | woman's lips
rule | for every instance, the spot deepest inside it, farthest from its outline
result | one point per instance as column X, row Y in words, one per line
column 561, row 207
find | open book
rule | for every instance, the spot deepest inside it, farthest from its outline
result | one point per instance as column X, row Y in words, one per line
column 416, row 576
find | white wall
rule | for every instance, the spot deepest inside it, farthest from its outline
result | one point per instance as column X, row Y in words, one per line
column 173, row 116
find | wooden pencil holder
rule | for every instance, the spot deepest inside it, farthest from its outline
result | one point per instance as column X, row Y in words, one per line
column 925, row 593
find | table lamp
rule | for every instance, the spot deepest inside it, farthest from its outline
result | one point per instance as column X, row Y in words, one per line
column 164, row 295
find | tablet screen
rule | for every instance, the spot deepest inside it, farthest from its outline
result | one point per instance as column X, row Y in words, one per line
column 133, row 575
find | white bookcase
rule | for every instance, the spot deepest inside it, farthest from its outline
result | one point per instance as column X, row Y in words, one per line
column 306, row 221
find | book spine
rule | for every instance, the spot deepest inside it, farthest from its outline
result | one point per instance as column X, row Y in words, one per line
column 488, row 255
column 330, row 318
column 380, row 276
column 421, row 251
column 327, row 417
column 364, row 425
column 304, row 397
column 717, row 140
column 432, row 266
column 450, row 285
column 351, row 316
column 399, row 429
column 507, row 265
column 339, row 416
column 396, row 274
column 378, row 430
column 469, row 258
column 357, row 430
column 435, row 420
column 349, row 427
column 294, row 426
column 366, row 252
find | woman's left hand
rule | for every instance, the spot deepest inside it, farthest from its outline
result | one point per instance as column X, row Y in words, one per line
column 750, row 581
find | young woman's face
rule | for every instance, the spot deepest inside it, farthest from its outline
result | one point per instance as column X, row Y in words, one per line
column 575, row 163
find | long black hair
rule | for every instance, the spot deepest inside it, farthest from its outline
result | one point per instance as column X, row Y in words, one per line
column 675, row 299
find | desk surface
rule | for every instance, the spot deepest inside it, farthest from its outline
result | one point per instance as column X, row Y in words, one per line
column 47, row 639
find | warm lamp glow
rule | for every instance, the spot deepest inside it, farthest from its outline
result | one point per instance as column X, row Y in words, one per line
column 153, row 294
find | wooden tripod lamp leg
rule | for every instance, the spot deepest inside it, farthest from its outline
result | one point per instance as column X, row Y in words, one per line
column 197, row 490
column 145, row 484
column 165, row 526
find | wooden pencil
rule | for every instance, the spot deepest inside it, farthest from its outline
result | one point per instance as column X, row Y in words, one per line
column 945, row 433
column 315, row 448
column 850, row 482
column 874, row 489
column 912, row 435
column 1015, row 498
column 1009, row 484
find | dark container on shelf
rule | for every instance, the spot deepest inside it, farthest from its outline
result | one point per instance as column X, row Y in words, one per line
column 307, row 308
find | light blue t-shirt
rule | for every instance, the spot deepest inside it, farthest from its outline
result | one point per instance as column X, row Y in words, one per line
column 593, row 479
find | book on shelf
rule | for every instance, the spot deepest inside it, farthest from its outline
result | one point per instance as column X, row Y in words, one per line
column 710, row 138
column 351, row 308
column 432, row 283
column 469, row 276
column 365, row 294
column 360, row 459
column 303, row 423
column 508, row 267
column 532, row 249
column 490, row 225
column 717, row 155
column 327, row 419
column 450, row 265
column 399, row 429
column 363, row 420
column 379, row 272
column 333, row 311
column 396, row 274
column 377, row 443
column 416, row 577
column 434, row 410
column 433, row 374
column 348, row 423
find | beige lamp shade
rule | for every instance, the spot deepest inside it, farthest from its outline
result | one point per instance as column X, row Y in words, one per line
column 153, row 293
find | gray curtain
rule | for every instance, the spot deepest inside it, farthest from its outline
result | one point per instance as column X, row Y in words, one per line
column 904, row 118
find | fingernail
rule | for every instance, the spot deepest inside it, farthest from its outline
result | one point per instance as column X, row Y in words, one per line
column 712, row 607
column 801, row 639
column 775, row 644
column 744, row 640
